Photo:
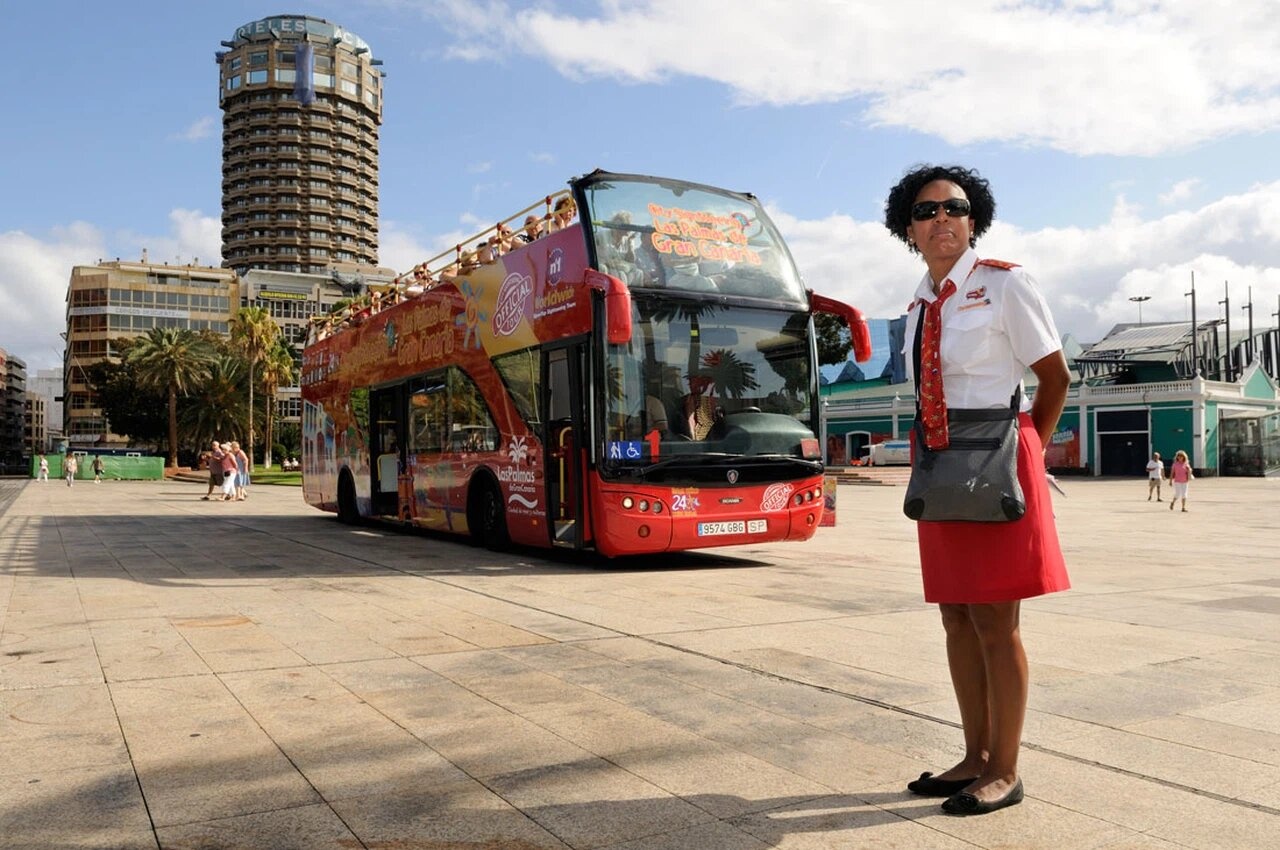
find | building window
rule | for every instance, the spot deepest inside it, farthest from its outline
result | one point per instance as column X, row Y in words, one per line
column 348, row 86
column 234, row 64
column 233, row 83
column 258, row 57
column 286, row 75
column 256, row 77
column 284, row 57
column 350, row 70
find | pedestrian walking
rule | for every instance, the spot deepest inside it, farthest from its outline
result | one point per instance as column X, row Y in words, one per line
column 1180, row 474
column 228, row 473
column 1155, row 476
column 43, row 473
column 213, row 459
column 980, row 324
column 98, row 467
column 69, row 467
column 242, row 471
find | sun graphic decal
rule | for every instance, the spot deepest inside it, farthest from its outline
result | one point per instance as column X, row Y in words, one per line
column 472, row 315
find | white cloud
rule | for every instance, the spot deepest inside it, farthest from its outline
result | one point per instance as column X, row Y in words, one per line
column 1180, row 191
column 35, row 270
column 541, row 157
column 1110, row 76
column 479, row 167
column 201, row 128
column 1087, row 274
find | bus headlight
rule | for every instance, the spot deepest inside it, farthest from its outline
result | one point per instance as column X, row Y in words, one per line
column 644, row 505
column 627, row 502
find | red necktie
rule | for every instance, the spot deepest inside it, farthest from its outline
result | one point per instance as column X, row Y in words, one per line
column 933, row 402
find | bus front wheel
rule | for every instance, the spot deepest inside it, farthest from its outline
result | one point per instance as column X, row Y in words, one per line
column 347, row 511
column 487, row 517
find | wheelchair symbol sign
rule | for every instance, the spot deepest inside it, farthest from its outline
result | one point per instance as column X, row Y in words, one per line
column 626, row 450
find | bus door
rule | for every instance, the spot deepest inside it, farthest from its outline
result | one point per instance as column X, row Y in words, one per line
column 386, row 449
column 566, row 431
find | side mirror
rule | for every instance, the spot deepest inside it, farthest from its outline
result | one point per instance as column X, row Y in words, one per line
column 617, row 305
column 859, row 330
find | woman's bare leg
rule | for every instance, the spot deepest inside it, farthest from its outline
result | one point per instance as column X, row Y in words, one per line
column 969, row 679
column 997, row 628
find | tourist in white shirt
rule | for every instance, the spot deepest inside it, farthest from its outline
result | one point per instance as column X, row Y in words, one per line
column 1155, row 476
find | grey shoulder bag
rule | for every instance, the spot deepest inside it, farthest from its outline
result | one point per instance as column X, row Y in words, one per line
column 975, row 479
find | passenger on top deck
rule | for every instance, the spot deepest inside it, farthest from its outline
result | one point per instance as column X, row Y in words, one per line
column 617, row 251
column 532, row 229
column 565, row 212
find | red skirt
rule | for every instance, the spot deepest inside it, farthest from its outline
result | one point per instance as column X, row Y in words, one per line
column 973, row 562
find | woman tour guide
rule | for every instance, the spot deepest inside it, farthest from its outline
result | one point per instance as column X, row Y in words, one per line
column 983, row 322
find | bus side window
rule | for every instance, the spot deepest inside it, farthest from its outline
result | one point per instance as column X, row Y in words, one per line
column 469, row 419
column 427, row 419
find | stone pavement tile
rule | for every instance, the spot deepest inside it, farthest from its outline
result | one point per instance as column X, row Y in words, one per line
column 1261, row 712
column 229, row 642
column 1033, row 824
column 303, row 828
column 490, row 746
column 1114, row 700
column 1140, row 842
column 841, row 822
column 592, row 803
column 720, row 781
column 199, row 755
column 458, row 815
column 708, row 836
column 58, row 728
column 144, row 649
column 1143, row 806
column 42, row 656
column 1192, row 766
column 342, row 745
column 1238, row 741
column 839, row 677
column 97, row 807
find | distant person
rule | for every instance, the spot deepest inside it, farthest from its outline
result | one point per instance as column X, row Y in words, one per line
column 43, row 473
column 1155, row 476
column 242, row 471
column 228, row 473
column 1180, row 474
column 98, row 467
column 214, row 462
column 69, row 467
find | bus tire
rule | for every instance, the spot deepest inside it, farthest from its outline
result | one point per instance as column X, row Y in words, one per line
column 486, row 516
column 348, row 513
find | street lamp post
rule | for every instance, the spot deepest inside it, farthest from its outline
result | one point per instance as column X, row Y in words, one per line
column 1226, row 310
column 1138, row 299
column 1195, row 334
column 1248, row 344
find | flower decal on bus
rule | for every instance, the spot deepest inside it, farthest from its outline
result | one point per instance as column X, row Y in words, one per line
column 513, row 304
column 472, row 315
column 775, row 497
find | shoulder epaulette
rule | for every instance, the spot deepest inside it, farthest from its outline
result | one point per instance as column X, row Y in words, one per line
column 998, row 264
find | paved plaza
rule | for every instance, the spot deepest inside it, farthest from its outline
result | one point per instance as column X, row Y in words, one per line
column 186, row 674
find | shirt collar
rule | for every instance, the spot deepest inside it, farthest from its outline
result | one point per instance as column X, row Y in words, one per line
column 958, row 274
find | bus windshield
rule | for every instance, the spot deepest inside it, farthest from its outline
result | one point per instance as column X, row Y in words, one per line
column 701, row 378
column 666, row 234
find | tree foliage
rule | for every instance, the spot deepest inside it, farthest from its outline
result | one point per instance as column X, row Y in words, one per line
column 175, row 360
column 253, row 329
column 834, row 342
column 132, row 409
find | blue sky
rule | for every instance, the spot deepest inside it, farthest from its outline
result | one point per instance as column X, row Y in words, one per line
column 1129, row 142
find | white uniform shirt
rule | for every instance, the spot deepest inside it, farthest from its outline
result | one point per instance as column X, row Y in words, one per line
column 1155, row 469
column 995, row 326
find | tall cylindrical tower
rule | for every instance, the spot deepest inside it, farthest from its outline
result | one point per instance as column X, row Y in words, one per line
column 302, row 102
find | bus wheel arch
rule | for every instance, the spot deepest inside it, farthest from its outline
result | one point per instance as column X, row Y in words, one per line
column 348, row 512
column 486, row 513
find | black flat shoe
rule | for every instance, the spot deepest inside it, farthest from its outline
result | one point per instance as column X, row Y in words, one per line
column 967, row 804
column 929, row 786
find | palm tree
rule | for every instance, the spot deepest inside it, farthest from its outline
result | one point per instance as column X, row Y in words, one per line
column 217, row 409
column 278, row 370
column 253, row 329
column 175, row 360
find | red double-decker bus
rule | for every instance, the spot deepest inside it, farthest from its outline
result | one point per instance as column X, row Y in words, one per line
column 639, row 379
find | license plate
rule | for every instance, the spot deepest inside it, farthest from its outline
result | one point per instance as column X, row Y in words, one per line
column 712, row 529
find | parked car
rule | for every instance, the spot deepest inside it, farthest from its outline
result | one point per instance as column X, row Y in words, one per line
column 889, row 453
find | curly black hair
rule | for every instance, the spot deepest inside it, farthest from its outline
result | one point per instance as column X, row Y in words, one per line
column 897, row 207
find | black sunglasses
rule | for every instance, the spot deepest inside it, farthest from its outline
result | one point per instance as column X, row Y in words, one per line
column 953, row 207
